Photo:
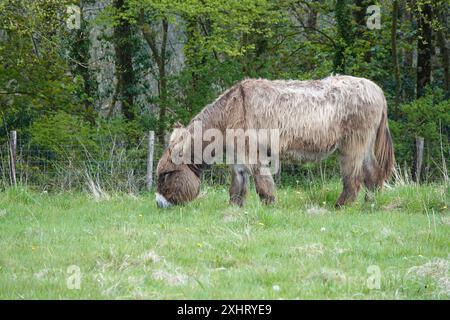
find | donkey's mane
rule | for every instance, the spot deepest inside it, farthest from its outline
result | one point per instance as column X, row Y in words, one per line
column 213, row 113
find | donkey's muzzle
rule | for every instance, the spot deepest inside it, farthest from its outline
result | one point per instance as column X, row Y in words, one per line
column 161, row 201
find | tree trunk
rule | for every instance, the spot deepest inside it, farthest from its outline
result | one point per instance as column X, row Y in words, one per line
column 343, row 20
column 163, row 82
column 193, row 59
column 395, row 63
column 311, row 24
column 160, row 58
column 408, row 56
column 445, row 53
column 445, row 60
column 360, row 17
column 79, row 53
column 424, row 47
column 124, row 62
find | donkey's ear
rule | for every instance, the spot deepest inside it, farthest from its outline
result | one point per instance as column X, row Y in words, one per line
column 177, row 125
column 178, row 133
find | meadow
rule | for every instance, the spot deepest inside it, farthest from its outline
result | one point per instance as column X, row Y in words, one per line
column 122, row 247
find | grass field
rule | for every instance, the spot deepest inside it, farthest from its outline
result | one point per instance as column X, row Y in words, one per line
column 300, row 247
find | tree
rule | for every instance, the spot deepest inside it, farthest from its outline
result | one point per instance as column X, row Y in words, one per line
column 344, row 32
column 217, row 28
column 79, row 45
column 34, row 72
column 441, row 12
column 424, row 16
column 395, row 64
column 124, row 47
column 159, row 54
column 359, row 14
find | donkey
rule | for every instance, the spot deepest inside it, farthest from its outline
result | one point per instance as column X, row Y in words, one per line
column 314, row 119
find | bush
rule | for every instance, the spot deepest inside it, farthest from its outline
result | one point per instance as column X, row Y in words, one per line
column 428, row 117
column 60, row 131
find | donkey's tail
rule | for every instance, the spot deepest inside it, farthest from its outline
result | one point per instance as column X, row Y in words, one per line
column 384, row 150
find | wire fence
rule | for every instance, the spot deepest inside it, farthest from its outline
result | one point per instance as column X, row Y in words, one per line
column 115, row 166
column 66, row 167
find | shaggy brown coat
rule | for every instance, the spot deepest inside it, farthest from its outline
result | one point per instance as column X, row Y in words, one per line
column 314, row 119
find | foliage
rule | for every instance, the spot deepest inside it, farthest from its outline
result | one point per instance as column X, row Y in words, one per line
column 67, row 152
column 60, row 131
column 427, row 117
column 179, row 56
column 33, row 73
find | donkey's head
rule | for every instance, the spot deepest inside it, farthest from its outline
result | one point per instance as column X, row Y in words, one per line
column 178, row 181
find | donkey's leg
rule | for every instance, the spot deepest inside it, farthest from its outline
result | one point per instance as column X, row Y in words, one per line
column 373, row 173
column 264, row 184
column 351, row 183
column 238, row 188
column 370, row 172
column 351, row 162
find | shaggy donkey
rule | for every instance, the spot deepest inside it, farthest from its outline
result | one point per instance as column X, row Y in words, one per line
column 314, row 118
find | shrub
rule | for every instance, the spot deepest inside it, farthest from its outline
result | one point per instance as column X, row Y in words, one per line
column 60, row 131
column 428, row 117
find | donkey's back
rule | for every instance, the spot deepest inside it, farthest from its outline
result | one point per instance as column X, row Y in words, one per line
column 314, row 116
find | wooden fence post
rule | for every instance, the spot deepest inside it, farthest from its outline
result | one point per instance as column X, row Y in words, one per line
column 12, row 157
column 418, row 159
column 151, row 143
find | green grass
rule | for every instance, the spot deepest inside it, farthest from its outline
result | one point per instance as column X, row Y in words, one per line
column 298, row 248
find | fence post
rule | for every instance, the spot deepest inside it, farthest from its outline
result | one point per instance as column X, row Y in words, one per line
column 151, row 143
column 418, row 158
column 12, row 157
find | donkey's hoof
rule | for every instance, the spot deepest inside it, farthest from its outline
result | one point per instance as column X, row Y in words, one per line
column 340, row 204
column 268, row 200
column 237, row 201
